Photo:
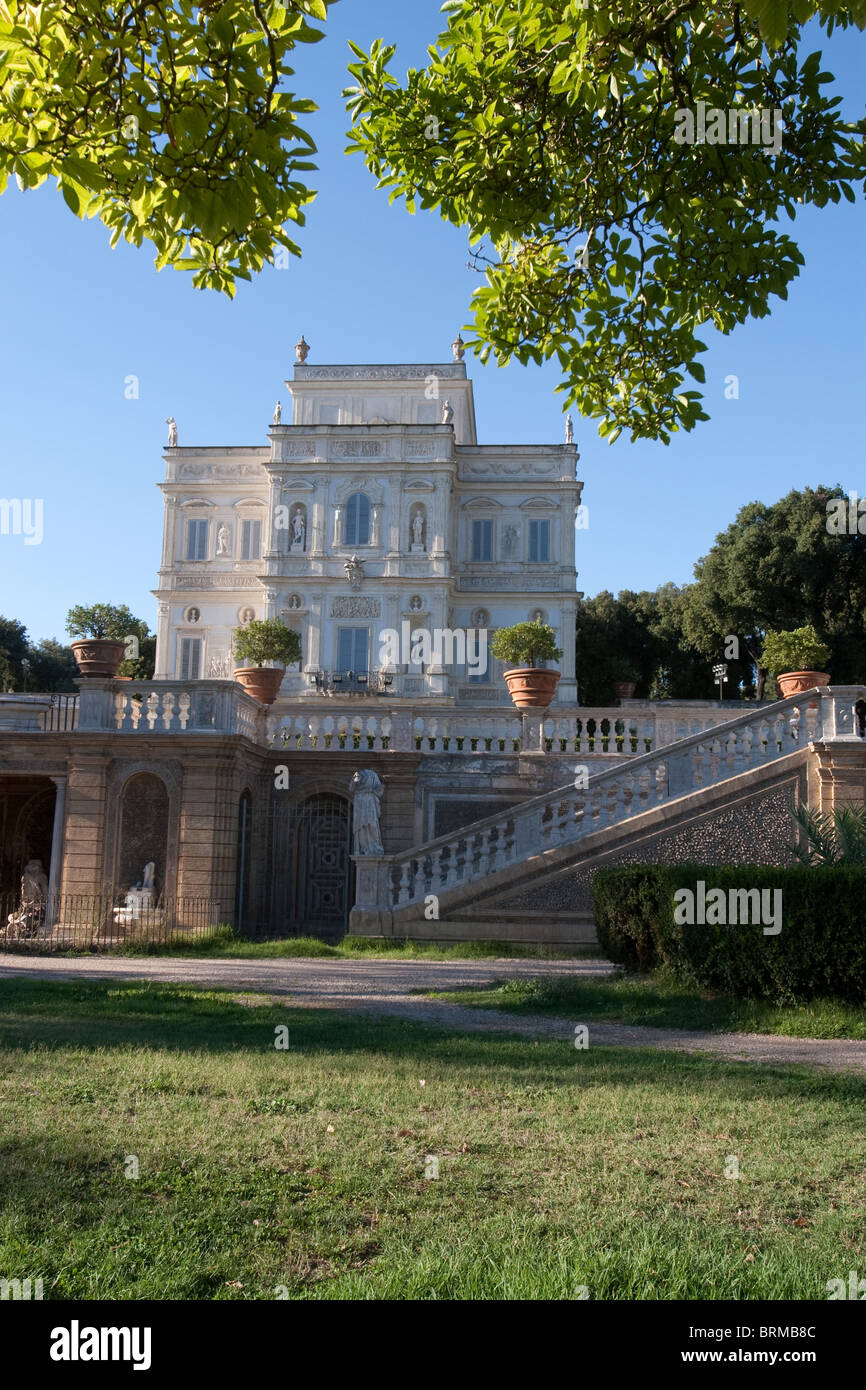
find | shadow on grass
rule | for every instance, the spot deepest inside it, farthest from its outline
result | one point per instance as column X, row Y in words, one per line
column 100, row 1015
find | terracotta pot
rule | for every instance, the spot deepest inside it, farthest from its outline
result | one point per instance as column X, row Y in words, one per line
column 262, row 682
column 797, row 682
column 623, row 690
column 98, row 656
column 531, row 687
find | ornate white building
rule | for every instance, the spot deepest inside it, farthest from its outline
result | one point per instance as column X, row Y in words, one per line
column 375, row 510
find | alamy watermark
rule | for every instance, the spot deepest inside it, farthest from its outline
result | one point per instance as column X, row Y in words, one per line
column 738, row 907
column 733, row 126
column 22, row 516
column 444, row 646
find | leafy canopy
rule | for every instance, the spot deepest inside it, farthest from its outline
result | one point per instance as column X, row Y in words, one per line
column 801, row 649
column 546, row 128
column 104, row 620
column 169, row 122
column 778, row 567
column 526, row 644
column 267, row 640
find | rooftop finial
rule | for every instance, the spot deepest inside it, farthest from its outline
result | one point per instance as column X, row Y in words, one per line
column 302, row 350
column 458, row 348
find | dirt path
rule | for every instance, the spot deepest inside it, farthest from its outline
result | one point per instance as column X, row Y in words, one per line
column 386, row 987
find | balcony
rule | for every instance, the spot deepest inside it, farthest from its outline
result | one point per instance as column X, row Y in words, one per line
column 352, row 682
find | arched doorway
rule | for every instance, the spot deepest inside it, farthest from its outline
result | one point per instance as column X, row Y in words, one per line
column 143, row 832
column 322, row 876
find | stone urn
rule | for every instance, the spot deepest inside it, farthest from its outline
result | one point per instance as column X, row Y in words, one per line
column 798, row 682
column 262, row 682
column 624, row 690
column 531, row 687
column 99, row 656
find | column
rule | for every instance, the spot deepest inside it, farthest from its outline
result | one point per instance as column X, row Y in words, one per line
column 55, row 872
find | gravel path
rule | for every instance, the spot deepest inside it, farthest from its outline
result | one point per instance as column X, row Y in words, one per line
column 386, row 987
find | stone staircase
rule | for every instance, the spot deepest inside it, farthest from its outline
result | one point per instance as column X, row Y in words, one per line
column 486, row 879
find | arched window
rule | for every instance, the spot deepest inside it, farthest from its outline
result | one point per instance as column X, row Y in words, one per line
column 357, row 520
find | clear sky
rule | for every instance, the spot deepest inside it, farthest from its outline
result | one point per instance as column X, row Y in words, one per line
column 377, row 285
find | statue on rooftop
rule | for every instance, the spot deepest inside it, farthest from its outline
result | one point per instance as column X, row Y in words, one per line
column 172, row 432
column 569, row 430
column 278, row 413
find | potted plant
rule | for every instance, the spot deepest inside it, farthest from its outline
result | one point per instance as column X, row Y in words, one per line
column 526, row 645
column 795, row 658
column 625, row 679
column 102, row 630
column 264, row 640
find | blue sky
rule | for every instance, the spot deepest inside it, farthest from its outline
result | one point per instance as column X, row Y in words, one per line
column 376, row 284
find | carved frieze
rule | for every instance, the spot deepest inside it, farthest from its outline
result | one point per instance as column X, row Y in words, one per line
column 345, row 607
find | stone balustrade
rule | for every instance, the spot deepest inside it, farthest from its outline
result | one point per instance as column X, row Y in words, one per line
column 584, row 730
column 570, row 813
column 169, row 707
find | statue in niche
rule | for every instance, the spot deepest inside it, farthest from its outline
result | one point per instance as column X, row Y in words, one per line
column 247, row 615
column 278, row 413
column 415, row 603
column 172, row 432
column 569, row 430
column 509, row 542
column 447, row 413
column 295, row 601
column 538, row 616
column 224, row 539
column 366, row 792
column 418, row 532
column 34, row 893
column 354, row 573
column 299, row 530
column 193, row 615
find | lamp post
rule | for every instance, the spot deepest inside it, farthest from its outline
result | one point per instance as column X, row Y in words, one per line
column 720, row 672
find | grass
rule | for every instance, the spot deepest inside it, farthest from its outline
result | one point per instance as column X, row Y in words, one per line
column 665, row 1002
column 266, row 1173
column 223, row 944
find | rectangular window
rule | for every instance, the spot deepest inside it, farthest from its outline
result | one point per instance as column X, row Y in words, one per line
column 251, row 540
column 539, row 542
column 357, row 520
column 353, row 644
column 190, row 658
column 486, row 677
column 482, row 540
column 196, row 540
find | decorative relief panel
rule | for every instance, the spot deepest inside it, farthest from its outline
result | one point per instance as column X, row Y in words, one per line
column 381, row 373
column 220, row 470
column 360, row 449
column 505, row 583
column 215, row 581
column 356, row 608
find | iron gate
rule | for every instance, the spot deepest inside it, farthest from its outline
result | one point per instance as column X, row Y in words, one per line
column 322, row 866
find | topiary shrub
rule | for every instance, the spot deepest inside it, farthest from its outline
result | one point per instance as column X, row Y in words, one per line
column 819, row 950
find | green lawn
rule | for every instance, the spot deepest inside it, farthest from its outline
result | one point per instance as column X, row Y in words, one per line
column 223, row 944
column 664, row 1002
column 304, row 1168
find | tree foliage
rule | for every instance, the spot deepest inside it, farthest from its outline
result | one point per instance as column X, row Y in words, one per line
column 169, row 122
column 778, row 567
column 45, row 666
column 546, row 129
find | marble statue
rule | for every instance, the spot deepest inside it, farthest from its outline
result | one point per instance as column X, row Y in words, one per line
column 138, row 902
column 299, row 530
column 366, row 792
column 34, row 892
column 295, row 601
column 224, row 537
column 147, row 877
column 447, row 413
column 569, row 430
column 248, row 615
column 418, row 531
column 34, row 884
column 415, row 603
column 172, row 432
column 278, row 413
column 354, row 573
column 302, row 350
column 509, row 542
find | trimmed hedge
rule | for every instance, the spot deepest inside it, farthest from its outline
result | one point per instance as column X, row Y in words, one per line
column 819, row 951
